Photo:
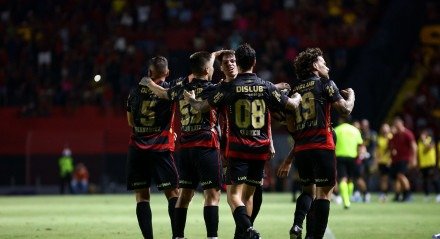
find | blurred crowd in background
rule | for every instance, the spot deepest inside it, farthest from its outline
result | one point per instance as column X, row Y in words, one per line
column 51, row 50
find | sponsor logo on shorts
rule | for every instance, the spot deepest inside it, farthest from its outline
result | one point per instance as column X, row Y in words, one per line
column 206, row 183
column 139, row 183
column 185, row 182
column 254, row 181
column 241, row 178
column 321, row 180
column 162, row 185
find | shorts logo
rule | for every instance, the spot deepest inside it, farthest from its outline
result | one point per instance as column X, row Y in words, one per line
column 162, row 185
column 321, row 180
column 241, row 178
column 206, row 183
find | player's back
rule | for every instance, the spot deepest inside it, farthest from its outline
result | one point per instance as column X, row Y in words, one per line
column 153, row 119
column 247, row 102
column 310, row 123
column 197, row 127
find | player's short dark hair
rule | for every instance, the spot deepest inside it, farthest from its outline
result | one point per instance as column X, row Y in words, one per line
column 225, row 53
column 198, row 61
column 245, row 56
column 159, row 65
column 304, row 62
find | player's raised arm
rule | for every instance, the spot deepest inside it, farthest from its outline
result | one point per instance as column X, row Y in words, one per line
column 345, row 106
column 294, row 101
column 199, row 105
column 155, row 88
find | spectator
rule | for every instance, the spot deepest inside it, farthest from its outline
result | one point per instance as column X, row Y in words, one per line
column 427, row 161
column 80, row 180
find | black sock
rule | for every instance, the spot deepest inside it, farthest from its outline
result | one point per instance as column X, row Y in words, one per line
column 180, row 221
column 143, row 212
column 322, row 210
column 310, row 220
column 171, row 208
column 210, row 213
column 258, row 199
column 303, row 204
column 239, row 233
column 241, row 218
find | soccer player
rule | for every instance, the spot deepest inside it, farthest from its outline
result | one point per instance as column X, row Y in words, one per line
column 403, row 148
column 349, row 147
column 151, row 146
column 314, row 144
column 427, row 161
column 248, row 101
column 383, row 159
column 199, row 142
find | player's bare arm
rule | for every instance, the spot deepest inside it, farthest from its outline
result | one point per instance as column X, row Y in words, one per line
column 130, row 119
column 345, row 106
column 199, row 105
column 294, row 101
column 282, row 86
column 284, row 169
column 156, row 89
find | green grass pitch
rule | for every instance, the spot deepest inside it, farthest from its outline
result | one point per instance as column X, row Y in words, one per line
column 113, row 216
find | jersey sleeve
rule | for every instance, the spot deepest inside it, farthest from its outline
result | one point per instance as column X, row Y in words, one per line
column 218, row 96
column 276, row 100
column 331, row 91
column 208, row 91
column 175, row 92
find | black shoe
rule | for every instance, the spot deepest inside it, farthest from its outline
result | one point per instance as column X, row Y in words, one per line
column 295, row 232
column 251, row 233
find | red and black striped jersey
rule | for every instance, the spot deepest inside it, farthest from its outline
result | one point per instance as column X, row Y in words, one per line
column 153, row 119
column 310, row 123
column 198, row 129
column 247, row 101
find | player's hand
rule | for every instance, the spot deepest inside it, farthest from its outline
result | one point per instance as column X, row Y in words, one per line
column 272, row 152
column 347, row 92
column 217, row 53
column 296, row 99
column 282, row 86
column 189, row 95
column 147, row 80
column 284, row 169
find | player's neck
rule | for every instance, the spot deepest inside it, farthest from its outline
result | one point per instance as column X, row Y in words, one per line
column 199, row 77
column 158, row 80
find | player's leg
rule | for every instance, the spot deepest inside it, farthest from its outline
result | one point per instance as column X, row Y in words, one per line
column 236, row 175
column 343, row 166
column 143, row 212
column 404, row 182
column 140, row 181
column 166, row 178
column 325, row 182
column 304, row 164
column 257, row 200
column 209, row 169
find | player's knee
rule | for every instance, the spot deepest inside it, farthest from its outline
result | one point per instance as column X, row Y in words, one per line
column 212, row 197
column 142, row 195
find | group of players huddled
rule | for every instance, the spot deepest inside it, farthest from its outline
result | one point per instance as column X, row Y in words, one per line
column 229, row 125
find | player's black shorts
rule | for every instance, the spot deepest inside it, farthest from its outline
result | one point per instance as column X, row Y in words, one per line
column 428, row 172
column 241, row 171
column 398, row 167
column 143, row 166
column 200, row 165
column 384, row 169
column 346, row 167
column 316, row 167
